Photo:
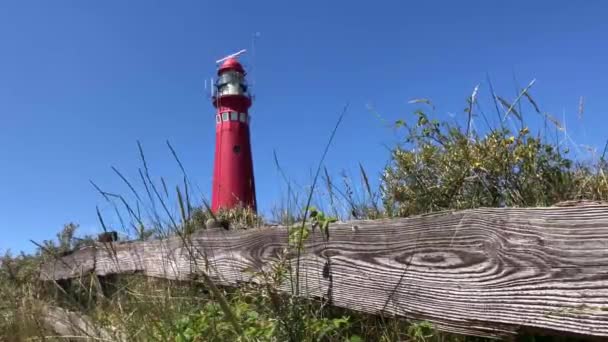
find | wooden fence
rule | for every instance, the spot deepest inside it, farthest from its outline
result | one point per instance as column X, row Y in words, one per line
column 485, row 272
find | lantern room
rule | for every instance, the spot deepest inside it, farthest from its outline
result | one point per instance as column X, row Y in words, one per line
column 231, row 80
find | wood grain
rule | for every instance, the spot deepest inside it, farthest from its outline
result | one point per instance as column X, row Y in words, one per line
column 71, row 326
column 487, row 272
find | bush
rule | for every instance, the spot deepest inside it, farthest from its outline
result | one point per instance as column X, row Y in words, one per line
column 441, row 166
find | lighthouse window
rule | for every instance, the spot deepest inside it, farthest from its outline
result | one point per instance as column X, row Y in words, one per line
column 236, row 149
column 225, row 116
column 218, row 119
column 230, row 77
column 243, row 117
column 234, row 116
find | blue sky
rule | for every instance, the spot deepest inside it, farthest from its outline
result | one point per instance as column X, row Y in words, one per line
column 82, row 81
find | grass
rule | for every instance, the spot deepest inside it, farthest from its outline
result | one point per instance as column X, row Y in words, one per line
column 440, row 165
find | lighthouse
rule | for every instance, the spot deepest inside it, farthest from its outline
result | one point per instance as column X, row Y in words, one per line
column 233, row 182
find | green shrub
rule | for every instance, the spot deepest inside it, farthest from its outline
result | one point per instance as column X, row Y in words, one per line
column 441, row 166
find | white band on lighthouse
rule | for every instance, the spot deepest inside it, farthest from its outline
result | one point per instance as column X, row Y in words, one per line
column 232, row 116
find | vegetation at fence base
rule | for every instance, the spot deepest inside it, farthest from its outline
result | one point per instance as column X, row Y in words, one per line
column 441, row 165
column 234, row 218
column 145, row 309
column 18, row 291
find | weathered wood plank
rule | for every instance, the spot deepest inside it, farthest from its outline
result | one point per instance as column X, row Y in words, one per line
column 486, row 272
column 71, row 325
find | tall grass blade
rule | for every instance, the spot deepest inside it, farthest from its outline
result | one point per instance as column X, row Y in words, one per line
column 532, row 102
column 187, row 185
column 368, row 188
column 162, row 180
column 494, row 98
column 330, row 192
column 182, row 208
column 114, row 206
column 472, row 101
column 126, row 182
column 512, row 107
column 422, row 100
column 310, row 195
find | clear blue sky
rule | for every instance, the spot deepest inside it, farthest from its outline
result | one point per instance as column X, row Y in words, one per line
column 81, row 81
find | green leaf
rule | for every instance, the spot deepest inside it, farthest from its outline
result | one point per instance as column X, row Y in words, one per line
column 325, row 225
column 355, row 338
column 298, row 234
column 253, row 314
column 422, row 120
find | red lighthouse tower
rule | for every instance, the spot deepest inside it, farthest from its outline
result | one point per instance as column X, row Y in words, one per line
column 233, row 183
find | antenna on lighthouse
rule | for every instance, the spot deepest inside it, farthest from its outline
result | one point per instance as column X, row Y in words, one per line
column 209, row 85
column 236, row 54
